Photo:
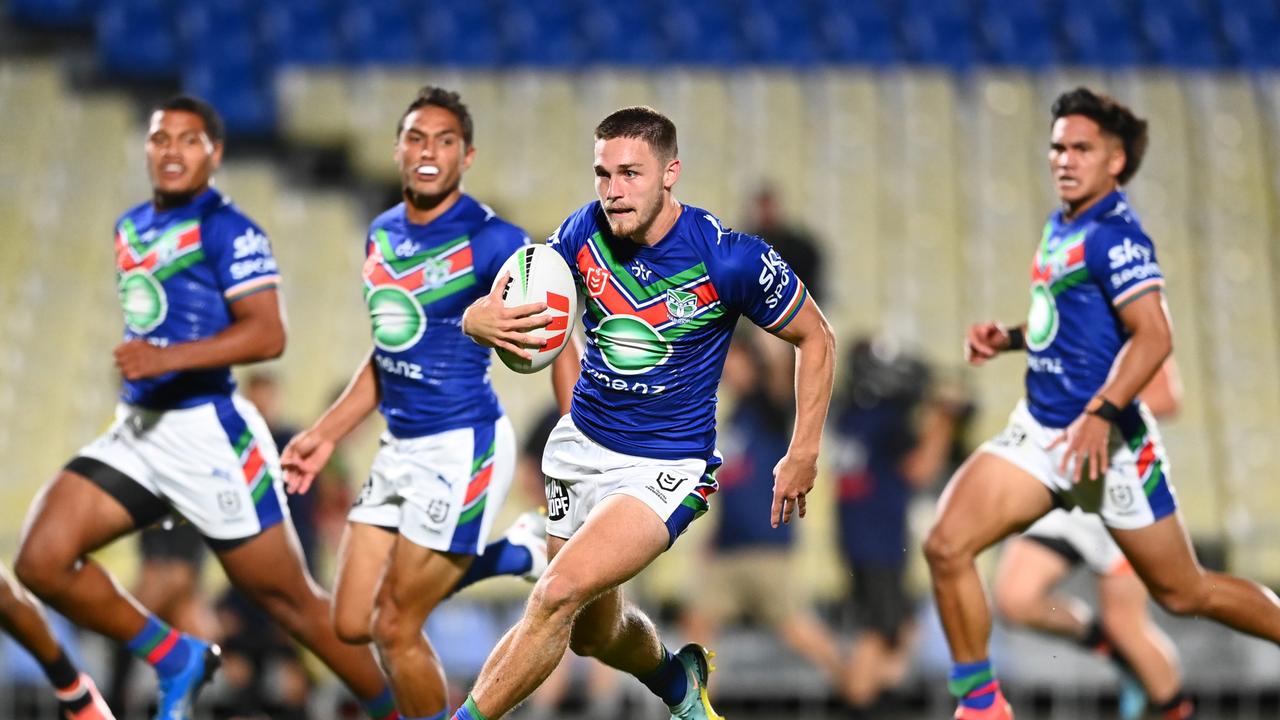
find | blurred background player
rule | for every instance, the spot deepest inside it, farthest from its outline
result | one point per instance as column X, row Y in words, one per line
column 418, row 530
column 198, row 287
column 634, row 461
column 749, row 566
column 1035, row 562
column 23, row 618
column 892, row 432
column 1097, row 331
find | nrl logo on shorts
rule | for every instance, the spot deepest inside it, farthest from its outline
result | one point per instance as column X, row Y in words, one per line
column 229, row 502
column 681, row 306
column 1122, row 496
column 438, row 510
column 434, row 273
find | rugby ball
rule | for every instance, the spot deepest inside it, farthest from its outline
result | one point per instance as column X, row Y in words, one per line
column 540, row 275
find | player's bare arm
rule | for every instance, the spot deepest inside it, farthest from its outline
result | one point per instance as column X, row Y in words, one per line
column 564, row 374
column 492, row 324
column 795, row 473
column 1150, row 343
column 256, row 333
column 985, row 340
column 308, row 452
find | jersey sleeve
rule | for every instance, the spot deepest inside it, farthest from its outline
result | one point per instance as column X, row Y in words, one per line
column 500, row 240
column 570, row 237
column 241, row 256
column 1123, row 263
column 759, row 284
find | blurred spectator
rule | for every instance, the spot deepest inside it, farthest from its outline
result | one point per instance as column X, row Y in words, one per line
column 794, row 243
column 893, row 434
column 751, row 571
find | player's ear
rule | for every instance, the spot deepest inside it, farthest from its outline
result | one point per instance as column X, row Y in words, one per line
column 468, row 157
column 1117, row 160
column 671, row 174
column 215, row 159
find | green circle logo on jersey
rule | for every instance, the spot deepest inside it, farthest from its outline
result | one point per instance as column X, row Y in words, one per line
column 397, row 317
column 1042, row 319
column 143, row 300
column 630, row 345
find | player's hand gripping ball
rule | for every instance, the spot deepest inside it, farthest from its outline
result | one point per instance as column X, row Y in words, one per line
column 539, row 274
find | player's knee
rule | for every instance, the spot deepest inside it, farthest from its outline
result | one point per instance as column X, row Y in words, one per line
column 943, row 552
column 391, row 625
column 40, row 571
column 557, row 594
column 1181, row 600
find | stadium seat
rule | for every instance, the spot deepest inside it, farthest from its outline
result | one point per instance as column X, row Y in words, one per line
column 54, row 14
column 137, row 39
column 380, row 33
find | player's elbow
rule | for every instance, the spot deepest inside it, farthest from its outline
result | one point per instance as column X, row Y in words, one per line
column 271, row 342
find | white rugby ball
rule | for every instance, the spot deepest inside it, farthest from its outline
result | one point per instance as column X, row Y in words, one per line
column 540, row 275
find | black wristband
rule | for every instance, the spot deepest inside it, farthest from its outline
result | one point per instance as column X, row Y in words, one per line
column 1106, row 410
column 1017, row 338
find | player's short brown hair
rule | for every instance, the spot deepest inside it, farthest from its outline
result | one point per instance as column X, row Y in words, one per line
column 643, row 123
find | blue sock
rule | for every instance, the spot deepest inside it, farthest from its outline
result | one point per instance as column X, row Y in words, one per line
column 381, row 706
column 499, row 558
column 974, row 684
column 669, row 681
column 161, row 646
column 442, row 715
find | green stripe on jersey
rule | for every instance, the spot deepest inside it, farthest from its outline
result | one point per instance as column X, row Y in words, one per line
column 652, row 290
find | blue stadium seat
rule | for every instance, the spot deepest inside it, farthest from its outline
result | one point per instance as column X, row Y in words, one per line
column 702, row 32
column 858, row 33
column 939, row 32
column 460, row 32
column 1179, row 33
column 621, row 33
column 244, row 97
column 137, row 39
column 1018, row 34
column 1100, row 33
column 541, row 34
column 220, row 28
column 379, row 33
column 1251, row 30
column 53, row 14
column 302, row 33
column 780, row 33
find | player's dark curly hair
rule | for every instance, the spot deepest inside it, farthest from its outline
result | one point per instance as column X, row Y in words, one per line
column 441, row 98
column 213, row 126
column 1114, row 118
column 643, row 123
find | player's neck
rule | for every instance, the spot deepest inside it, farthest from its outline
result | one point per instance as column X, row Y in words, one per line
column 422, row 209
column 662, row 224
column 167, row 201
column 1072, row 211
